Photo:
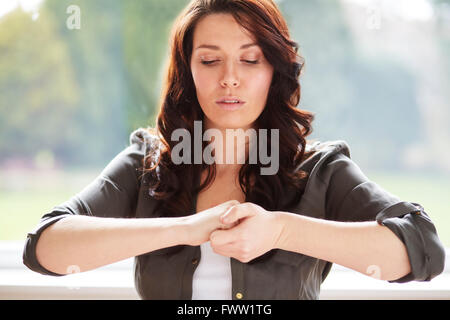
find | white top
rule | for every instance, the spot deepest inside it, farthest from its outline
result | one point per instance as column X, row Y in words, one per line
column 212, row 278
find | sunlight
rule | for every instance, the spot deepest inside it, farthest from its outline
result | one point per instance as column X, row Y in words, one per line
column 7, row 6
column 31, row 6
column 419, row 10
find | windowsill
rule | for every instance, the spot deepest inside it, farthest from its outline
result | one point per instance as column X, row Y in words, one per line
column 343, row 283
column 116, row 281
column 96, row 284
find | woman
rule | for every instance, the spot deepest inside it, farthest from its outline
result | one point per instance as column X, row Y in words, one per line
column 225, row 230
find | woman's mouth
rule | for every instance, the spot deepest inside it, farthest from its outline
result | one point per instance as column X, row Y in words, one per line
column 230, row 104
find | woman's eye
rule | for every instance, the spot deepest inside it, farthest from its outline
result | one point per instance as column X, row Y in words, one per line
column 208, row 62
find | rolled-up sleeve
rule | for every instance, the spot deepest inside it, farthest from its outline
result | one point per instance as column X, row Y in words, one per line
column 416, row 230
column 112, row 194
column 351, row 196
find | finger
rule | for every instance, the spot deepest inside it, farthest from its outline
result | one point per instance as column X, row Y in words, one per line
column 227, row 250
column 226, row 205
column 221, row 237
column 227, row 225
column 232, row 250
column 235, row 213
column 229, row 203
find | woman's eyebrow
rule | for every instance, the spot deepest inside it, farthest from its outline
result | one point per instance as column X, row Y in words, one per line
column 212, row 47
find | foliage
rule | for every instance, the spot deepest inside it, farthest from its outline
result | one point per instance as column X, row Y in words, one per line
column 78, row 94
column 367, row 102
column 38, row 93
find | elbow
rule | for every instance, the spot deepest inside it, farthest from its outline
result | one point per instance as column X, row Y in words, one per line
column 400, row 271
column 435, row 258
column 46, row 259
column 432, row 258
column 38, row 256
column 401, row 268
column 425, row 251
column 424, row 265
column 30, row 258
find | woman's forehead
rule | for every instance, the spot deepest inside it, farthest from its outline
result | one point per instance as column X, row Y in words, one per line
column 217, row 30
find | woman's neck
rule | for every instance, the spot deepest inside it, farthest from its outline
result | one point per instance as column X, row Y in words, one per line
column 232, row 149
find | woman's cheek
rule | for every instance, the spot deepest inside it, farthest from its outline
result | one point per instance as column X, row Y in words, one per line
column 202, row 82
column 260, row 86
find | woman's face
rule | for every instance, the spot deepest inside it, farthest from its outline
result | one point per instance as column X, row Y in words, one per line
column 225, row 64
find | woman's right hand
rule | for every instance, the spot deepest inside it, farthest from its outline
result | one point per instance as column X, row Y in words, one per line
column 200, row 225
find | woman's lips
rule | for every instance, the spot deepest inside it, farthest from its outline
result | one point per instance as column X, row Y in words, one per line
column 230, row 106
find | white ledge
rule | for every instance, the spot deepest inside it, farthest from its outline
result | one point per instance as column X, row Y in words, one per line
column 116, row 281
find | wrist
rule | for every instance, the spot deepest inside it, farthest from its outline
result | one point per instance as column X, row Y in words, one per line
column 280, row 226
column 182, row 231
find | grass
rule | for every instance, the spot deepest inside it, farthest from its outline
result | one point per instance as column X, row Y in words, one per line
column 22, row 206
column 432, row 192
column 20, row 212
column 25, row 196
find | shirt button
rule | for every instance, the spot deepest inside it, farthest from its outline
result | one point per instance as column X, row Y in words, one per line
column 239, row 295
column 194, row 261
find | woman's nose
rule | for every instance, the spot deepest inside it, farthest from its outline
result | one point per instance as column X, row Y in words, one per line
column 230, row 78
column 230, row 82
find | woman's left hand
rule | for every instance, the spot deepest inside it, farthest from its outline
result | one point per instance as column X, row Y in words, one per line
column 257, row 232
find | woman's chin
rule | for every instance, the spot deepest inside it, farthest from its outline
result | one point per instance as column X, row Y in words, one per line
column 231, row 125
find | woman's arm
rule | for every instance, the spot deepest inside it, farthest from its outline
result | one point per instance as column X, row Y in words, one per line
column 362, row 246
column 90, row 242
column 84, row 242
column 356, row 224
column 366, row 247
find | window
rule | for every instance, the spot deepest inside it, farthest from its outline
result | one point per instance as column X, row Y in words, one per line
column 73, row 77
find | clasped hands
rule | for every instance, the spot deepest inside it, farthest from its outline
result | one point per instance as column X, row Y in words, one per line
column 243, row 231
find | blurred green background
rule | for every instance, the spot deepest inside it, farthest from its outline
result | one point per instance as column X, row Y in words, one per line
column 377, row 75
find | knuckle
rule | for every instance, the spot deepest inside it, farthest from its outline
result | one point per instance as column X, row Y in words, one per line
column 229, row 212
column 244, row 259
column 216, row 249
column 244, row 250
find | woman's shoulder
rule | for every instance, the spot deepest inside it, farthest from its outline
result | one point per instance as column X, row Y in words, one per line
column 322, row 152
column 145, row 136
column 147, row 142
column 322, row 148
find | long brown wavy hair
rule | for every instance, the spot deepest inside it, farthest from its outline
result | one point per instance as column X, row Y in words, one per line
column 177, row 184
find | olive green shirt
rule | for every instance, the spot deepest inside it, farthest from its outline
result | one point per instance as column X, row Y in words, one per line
column 336, row 190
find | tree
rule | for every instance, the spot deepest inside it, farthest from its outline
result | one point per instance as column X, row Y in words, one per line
column 38, row 94
column 370, row 103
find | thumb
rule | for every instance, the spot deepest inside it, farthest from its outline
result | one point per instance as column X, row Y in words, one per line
column 227, row 206
column 235, row 213
column 232, row 202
